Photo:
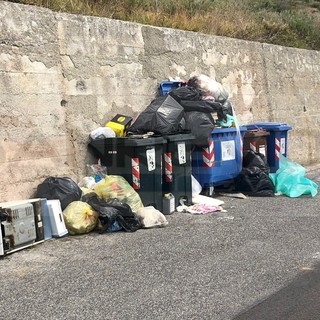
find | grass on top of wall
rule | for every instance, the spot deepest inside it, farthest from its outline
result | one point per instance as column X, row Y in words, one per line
column 285, row 22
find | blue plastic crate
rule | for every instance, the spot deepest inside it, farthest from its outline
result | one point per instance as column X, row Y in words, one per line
column 166, row 86
column 222, row 160
column 276, row 141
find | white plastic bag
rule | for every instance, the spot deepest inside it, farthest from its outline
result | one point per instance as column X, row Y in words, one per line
column 196, row 186
column 213, row 88
column 151, row 217
column 102, row 132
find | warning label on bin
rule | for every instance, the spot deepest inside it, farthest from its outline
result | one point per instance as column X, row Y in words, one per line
column 228, row 151
column 182, row 153
column 151, row 159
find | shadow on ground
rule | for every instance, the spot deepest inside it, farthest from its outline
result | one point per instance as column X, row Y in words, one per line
column 300, row 300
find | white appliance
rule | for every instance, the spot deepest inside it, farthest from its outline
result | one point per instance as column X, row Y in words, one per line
column 18, row 227
column 58, row 226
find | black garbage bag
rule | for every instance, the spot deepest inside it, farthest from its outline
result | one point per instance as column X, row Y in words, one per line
column 255, row 159
column 162, row 116
column 254, row 179
column 191, row 100
column 226, row 109
column 60, row 188
column 186, row 93
column 197, row 117
column 112, row 210
column 200, row 124
column 254, row 182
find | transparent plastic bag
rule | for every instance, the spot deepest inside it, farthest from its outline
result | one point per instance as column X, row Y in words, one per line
column 118, row 187
column 97, row 171
column 290, row 180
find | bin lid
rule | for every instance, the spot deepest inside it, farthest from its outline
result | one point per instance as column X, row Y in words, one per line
column 231, row 129
column 134, row 142
column 179, row 137
column 127, row 142
column 270, row 126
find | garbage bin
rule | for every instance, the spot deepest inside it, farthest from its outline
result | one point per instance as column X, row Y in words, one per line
column 222, row 159
column 256, row 140
column 177, row 167
column 139, row 161
column 276, row 141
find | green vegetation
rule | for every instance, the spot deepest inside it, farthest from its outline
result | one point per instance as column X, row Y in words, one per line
column 284, row 22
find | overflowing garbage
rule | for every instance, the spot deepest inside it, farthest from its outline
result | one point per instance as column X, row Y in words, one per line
column 177, row 155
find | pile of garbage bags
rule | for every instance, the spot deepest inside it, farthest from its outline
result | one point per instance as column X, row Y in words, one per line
column 108, row 205
column 256, row 180
column 188, row 108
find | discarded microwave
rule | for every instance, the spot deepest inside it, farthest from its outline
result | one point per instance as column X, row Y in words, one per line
column 18, row 222
column 18, row 227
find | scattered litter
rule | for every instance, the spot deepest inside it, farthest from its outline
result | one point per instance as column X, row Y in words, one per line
column 199, row 208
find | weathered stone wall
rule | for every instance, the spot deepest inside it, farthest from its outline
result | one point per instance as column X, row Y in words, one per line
column 63, row 75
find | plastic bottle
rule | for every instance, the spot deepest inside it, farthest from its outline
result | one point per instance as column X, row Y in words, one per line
column 168, row 203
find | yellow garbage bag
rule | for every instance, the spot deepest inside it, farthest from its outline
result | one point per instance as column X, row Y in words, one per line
column 118, row 187
column 79, row 218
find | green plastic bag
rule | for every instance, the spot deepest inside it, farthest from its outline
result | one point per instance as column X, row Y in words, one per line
column 290, row 180
column 231, row 121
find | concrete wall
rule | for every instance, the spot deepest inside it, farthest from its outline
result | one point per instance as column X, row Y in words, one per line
column 63, row 75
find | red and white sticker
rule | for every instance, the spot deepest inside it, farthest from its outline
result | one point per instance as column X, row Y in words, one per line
column 277, row 148
column 135, row 173
column 208, row 155
column 168, row 166
column 253, row 146
column 280, row 147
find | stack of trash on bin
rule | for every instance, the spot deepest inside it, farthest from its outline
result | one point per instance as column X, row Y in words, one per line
column 153, row 152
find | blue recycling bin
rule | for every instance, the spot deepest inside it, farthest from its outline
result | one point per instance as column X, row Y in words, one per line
column 222, row 159
column 166, row 86
column 276, row 141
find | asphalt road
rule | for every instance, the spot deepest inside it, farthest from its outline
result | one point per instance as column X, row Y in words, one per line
column 258, row 260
